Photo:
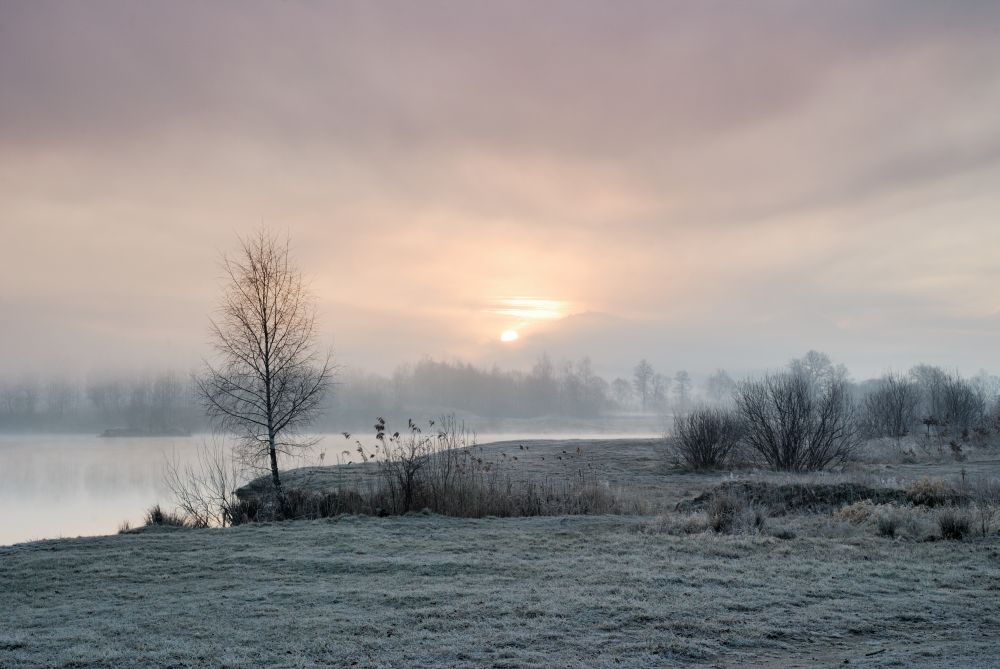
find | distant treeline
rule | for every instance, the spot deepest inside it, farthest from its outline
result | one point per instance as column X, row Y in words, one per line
column 570, row 389
column 149, row 403
column 168, row 401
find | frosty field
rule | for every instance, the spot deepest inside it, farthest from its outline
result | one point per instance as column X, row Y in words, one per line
column 541, row 592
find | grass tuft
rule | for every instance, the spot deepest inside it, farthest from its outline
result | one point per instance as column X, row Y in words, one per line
column 157, row 516
column 887, row 524
column 954, row 524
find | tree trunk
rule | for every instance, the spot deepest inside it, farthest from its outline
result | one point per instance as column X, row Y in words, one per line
column 273, row 453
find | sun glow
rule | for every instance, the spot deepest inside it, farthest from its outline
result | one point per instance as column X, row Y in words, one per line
column 508, row 335
column 529, row 308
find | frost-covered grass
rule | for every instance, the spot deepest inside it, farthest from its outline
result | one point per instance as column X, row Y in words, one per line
column 534, row 592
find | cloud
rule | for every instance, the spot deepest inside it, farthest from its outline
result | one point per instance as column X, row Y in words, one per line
column 736, row 181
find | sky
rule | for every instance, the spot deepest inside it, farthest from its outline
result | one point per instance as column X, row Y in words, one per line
column 705, row 184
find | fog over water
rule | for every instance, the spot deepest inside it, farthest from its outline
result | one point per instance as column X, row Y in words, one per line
column 76, row 485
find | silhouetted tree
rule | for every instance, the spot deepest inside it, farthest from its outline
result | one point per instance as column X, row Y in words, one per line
column 622, row 392
column 818, row 369
column 642, row 379
column 930, row 382
column 720, row 386
column 661, row 389
column 682, row 388
column 268, row 379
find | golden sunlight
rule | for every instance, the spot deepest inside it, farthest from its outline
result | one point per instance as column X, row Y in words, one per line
column 509, row 335
column 529, row 308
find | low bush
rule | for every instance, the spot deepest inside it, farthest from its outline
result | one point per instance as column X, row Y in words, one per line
column 954, row 524
column 722, row 511
column 858, row 512
column 926, row 492
column 705, row 438
column 733, row 514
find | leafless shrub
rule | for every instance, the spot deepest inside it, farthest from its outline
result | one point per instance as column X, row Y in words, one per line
column 954, row 523
column 794, row 425
column 705, row 437
column 205, row 490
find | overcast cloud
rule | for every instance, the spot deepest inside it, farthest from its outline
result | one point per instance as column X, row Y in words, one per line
column 706, row 184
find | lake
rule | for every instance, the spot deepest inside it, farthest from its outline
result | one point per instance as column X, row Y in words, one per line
column 79, row 485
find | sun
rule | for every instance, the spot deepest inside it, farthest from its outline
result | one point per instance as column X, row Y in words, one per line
column 508, row 335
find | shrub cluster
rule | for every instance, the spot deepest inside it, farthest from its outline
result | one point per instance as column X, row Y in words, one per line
column 706, row 437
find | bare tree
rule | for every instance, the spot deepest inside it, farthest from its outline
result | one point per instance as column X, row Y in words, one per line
column 930, row 382
column 720, row 386
column 794, row 426
column 268, row 380
column 890, row 410
column 682, row 383
column 622, row 391
column 817, row 368
column 964, row 404
column 948, row 400
column 642, row 378
column 660, row 390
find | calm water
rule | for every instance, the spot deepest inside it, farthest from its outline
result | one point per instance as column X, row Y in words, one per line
column 74, row 485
